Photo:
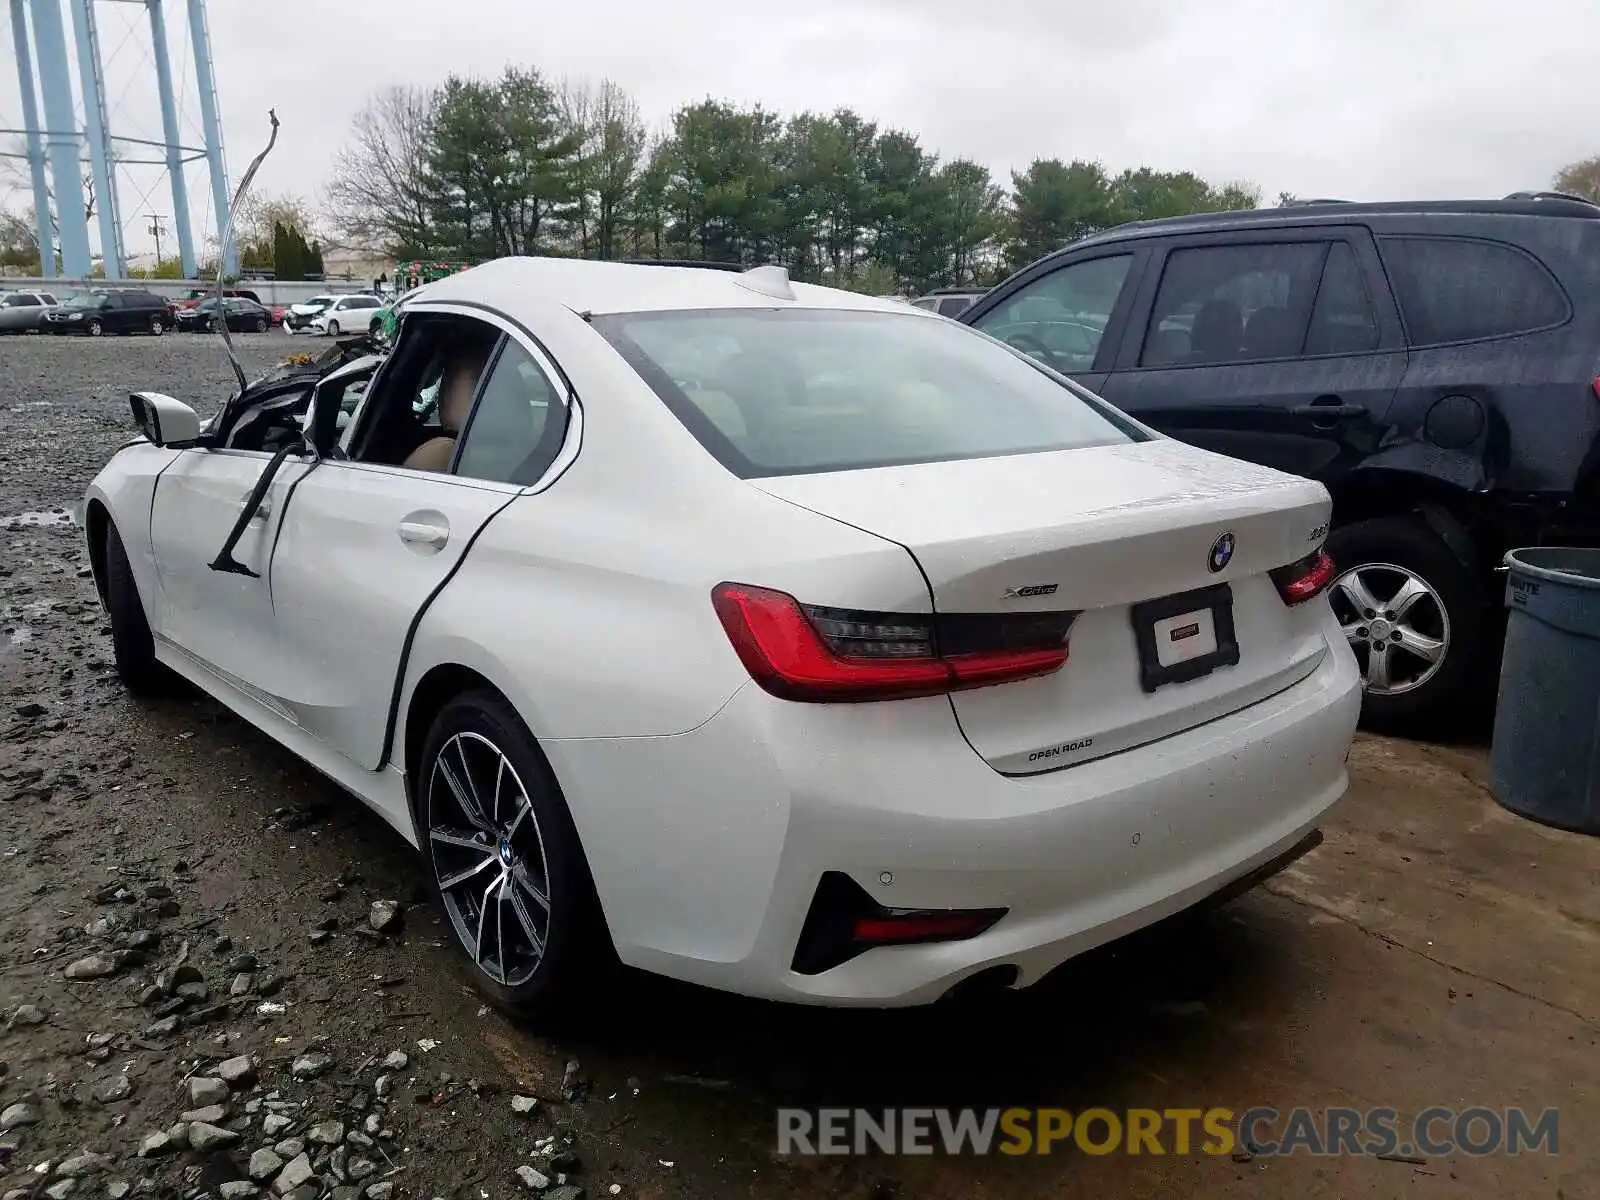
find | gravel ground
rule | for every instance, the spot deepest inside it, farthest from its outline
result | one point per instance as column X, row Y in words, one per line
column 198, row 995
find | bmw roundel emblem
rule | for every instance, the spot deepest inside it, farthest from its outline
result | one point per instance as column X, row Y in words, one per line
column 1221, row 553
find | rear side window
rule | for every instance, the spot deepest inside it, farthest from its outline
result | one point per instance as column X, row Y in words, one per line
column 1459, row 290
column 803, row 391
column 1233, row 304
column 517, row 426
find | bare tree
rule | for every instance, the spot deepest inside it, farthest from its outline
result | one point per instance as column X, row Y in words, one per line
column 1581, row 179
column 13, row 168
column 605, row 176
column 377, row 195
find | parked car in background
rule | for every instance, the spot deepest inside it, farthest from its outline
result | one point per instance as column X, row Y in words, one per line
column 123, row 310
column 242, row 316
column 347, row 314
column 196, row 295
column 837, row 750
column 948, row 302
column 23, row 312
column 1434, row 364
column 297, row 319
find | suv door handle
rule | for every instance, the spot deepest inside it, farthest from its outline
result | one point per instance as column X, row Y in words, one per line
column 424, row 533
column 263, row 510
column 1330, row 410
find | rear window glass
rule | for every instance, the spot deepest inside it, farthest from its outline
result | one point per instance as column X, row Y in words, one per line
column 1458, row 290
column 803, row 391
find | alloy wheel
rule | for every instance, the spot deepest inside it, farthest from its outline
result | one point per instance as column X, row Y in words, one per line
column 489, row 858
column 1395, row 622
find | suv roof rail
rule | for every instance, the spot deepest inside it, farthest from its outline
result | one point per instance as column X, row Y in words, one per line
column 1298, row 203
column 1550, row 195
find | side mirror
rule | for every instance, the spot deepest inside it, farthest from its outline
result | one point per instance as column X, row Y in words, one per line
column 165, row 421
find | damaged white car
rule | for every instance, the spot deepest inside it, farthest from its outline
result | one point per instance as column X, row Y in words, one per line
column 792, row 642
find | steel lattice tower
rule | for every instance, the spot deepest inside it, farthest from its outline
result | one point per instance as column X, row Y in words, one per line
column 54, row 147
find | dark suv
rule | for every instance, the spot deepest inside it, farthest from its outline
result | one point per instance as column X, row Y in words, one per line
column 1434, row 364
column 125, row 310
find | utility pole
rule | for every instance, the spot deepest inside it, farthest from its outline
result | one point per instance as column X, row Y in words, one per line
column 155, row 231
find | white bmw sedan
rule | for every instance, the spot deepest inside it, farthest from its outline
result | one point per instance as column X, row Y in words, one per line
column 792, row 642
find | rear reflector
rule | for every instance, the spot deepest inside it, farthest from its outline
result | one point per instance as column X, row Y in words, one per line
column 805, row 652
column 1306, row 579
column 844, row 921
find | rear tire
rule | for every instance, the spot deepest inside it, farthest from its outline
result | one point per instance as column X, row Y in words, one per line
column 157, row 326
column 94, row 329
column 131, row 640
column 1389, row 559
column 513, row 842
column 261, row 325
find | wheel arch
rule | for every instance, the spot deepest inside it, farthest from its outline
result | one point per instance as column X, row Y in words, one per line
column 96, row 521
column 1447, row 509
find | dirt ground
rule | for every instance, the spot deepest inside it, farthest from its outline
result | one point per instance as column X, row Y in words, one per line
column 1435, row 950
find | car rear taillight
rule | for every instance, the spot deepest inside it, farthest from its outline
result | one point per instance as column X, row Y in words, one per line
column 844, row 921
column 1596, row 386
column 805, row 652
column 1306, row 579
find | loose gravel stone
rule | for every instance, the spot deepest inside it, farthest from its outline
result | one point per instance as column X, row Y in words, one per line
column 95, row 966
column 533, row 1180
column 309, row 1066
column 326, row 1133
column 28, row 1014
column 206, row 1089
column 295, row 1172
column 113, row 1088
column 18, row 1115
column 264, row 1164
column 211, row 1114
column 274, row 1123
column 382, row 1190
column 396, row 1060
column 384, row 916
column 238, row 1189
column 204, row 1136
column 238, row 1073
column 524, row 1104
column 155, row 1145
column 87, row 1163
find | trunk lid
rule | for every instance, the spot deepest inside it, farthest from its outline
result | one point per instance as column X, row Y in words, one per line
column 1103, row 531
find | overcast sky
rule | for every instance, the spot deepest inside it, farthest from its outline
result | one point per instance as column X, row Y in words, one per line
column 1353, row 98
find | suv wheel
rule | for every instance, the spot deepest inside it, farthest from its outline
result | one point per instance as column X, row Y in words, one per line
column 333, row 329
column 157, row 326
column 1415, row 617
column 94, row 328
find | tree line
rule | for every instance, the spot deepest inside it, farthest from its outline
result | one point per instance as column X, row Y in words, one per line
column 478, row 168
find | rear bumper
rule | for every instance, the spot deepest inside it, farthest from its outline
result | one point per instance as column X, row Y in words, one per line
column 707, row 847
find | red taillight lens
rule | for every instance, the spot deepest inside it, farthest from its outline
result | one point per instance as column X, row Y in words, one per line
column 922, row 926
column 802, row 652
column 1597, row 387
column 1306, row 579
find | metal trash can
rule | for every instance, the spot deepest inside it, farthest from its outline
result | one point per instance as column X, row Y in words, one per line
column 1545, row 759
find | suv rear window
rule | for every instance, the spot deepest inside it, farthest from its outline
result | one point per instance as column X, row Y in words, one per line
column 803, row 391
column 1455, row 289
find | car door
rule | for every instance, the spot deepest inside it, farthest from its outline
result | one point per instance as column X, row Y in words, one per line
column 222, row 619
column 365, row 545
column 1066, row 312
column 1280, row 347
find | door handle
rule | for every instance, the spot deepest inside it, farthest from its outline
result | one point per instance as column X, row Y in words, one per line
column 263, row 510
column 1330, row 411
column 424, row 533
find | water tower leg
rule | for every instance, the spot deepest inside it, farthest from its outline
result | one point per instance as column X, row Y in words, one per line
column 205, row 78
column 97, row 126
column 172, row 135
column 30, row 122
column 61, row 136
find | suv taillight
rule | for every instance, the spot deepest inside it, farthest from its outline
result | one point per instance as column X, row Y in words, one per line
column 1306, row 579
column 1597, row 387
column 806, row 652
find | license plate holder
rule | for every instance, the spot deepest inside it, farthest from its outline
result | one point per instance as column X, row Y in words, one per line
column 1185, row 636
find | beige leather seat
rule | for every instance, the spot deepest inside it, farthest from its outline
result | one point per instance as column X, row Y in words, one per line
column 455, row 405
